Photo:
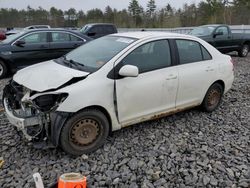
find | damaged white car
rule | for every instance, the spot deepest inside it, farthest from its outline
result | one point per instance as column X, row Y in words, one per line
column 112, row 82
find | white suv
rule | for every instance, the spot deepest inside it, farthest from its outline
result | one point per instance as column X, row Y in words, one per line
column 112, row 82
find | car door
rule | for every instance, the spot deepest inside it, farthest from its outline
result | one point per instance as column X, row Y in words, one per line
column 154, row 90
column 62, row 43
column 196, row 71
column 222, row 39
column 35, row 49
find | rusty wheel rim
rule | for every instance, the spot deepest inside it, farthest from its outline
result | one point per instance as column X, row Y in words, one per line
column 213, row 98
column 84, row 132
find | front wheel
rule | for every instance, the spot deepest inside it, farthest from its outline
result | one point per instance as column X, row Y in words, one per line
column 3, row 69
column 244, row 50
column 84, row 132
column 212, row 98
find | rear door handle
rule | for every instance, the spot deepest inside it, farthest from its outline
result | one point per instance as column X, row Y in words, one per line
column 209, row 69
column 171, row 77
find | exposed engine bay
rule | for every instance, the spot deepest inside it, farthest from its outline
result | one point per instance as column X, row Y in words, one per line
column 32, row 111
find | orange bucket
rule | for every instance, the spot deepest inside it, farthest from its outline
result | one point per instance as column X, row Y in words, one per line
column 72, row 180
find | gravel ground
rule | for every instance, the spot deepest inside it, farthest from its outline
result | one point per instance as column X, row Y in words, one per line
column 188, row 149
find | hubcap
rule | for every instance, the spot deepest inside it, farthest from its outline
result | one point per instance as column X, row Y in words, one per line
column 84, row 132
column 213, row 98
column 245, row 50
column 1, row 69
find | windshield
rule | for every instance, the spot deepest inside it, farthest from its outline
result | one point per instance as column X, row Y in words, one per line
column 10, row 38
column 84, row 28
column 93, row 55
column 202, row 31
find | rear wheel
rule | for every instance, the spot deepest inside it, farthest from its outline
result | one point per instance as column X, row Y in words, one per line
column 3, row 69
column 213, row 98
column 84, row 132
column 244, row 50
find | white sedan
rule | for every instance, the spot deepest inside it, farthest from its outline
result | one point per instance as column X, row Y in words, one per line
column 112, row 82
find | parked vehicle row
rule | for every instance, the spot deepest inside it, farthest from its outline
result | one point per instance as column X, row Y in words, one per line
column 39, row 43
column 18, row 54
column 222, row 38
column 36, row 45
column 112, row 82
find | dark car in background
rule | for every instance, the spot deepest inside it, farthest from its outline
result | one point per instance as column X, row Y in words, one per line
column 37, row 27
column 12, row 31
column 222, row 38
column 97, row 30
column 37, row 45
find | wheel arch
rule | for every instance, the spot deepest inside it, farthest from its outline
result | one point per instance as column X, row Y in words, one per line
column 247, row 43
column 240, row 51
column 103, row 110
column 6, row 63
column 204, row 103
column 221, row 82
column 58, row 119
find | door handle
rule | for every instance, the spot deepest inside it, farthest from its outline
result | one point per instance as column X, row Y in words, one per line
column 209, row 69
column 171, row 78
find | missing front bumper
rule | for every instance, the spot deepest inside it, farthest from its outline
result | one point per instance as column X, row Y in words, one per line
column 21, row 123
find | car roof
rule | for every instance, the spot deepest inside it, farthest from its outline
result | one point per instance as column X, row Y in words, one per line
column 47, row 29
column 53, row 29
column 147, row 34
column 38, row 25
column 212, row 25
column 91, row 24
column 30, row 31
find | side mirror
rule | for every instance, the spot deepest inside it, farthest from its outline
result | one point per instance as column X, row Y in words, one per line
column 217, row 34
column 129, row 71
column 19, row 43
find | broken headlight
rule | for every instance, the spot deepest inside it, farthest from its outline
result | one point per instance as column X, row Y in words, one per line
column 49, row 102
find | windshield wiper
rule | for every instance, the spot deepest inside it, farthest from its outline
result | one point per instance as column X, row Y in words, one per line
column 63, row 60
column 76, row 63
column 72, row 63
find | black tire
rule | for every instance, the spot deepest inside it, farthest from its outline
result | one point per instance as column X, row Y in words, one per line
column 84, row 132
column 212, row 98
column 3, row 69
column 244, row 50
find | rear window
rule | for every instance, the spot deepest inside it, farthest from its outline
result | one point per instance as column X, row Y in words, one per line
column 108, row 29
column 96, row 29
column 206, row 54
column 191, row 51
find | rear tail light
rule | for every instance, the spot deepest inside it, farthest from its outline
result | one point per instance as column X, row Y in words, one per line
column 233, row 62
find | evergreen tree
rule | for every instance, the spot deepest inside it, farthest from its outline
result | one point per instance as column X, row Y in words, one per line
column 151, row 7
column 135, row 11
column 108, row 14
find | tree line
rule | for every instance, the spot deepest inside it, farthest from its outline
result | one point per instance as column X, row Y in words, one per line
column 233, row 12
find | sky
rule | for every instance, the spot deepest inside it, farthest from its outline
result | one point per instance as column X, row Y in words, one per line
column 87, row 4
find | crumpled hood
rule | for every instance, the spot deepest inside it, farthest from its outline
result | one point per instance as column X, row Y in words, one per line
column 47, row 75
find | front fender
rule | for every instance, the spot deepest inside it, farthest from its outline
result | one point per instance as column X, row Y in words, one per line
column 58, row 120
